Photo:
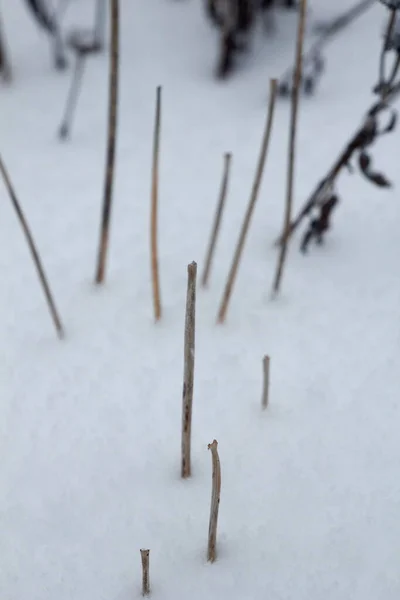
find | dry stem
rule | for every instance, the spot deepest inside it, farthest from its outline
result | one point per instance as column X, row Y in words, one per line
column 251, row 205
column 5, row 67
column 217, row 219
column 111, row 143
column 292, row 144
column 154, row 209
column 34, row 252
column 188, row 375
column 215, row 497
column 145, row 555
column 265, row 394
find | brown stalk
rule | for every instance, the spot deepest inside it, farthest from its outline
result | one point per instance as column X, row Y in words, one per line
column 292, row 143
column 265, row 394
column 251, row 205
column 145, row 556
column 188, row 374
column 33, row 250
column 217, row 219
column 215, row 499
column 154, row 210
column 111, row 143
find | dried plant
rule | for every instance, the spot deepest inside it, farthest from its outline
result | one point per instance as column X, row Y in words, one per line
column 292, row 142
column 154, row 210
column 111, row 143
column 324, row 199
column 145, row 556
column 188, row 374
column 5, row 66
column 251, row 204
column 265, row 393
column 217, row 219
column 215, row 498
column 32, row 247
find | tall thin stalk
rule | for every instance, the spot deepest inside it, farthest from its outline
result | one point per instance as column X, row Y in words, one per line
column 292, row 144
column 251, row 205
column 33, row 250
column 111, row 143
column 155, row 275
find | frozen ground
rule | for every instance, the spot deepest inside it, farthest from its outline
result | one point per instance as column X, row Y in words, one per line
column 90, row 427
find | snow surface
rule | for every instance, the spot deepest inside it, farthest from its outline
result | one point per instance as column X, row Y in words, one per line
column 90, row 427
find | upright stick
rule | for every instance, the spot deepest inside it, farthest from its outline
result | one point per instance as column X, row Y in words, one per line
column 292, row 144
column 111, row 143
column 145, row 555
column 34, row 252
column 154, row 210
column 217, row 219
column 215, row 498
column 5, row 67
column 265, row 394
column 251, row 205
column 188, row 374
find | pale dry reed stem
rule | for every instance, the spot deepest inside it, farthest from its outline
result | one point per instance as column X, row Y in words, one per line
column 188, row 374
column 265, row 393
column 155, row 275
column 215, row 498
column 145, row 555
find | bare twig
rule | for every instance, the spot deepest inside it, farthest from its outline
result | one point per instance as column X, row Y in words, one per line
column 265, row 394
column 292, row 142
column 188, row 375
column 154, row 210
column 145, row 555
column 251, row 205
column 111, row 143
column 215, row 498
column 217, row 219
column 386, row 41
column 34, row 252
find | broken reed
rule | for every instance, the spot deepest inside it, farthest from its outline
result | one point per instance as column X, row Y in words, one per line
column 111, row 143
column 217, row 219
column 145, row 556
column 33, row 250
column 188, row 374
column 265, row 393
column 155, row 276
column 215, row 498
column 292, row 145
column 251, row 205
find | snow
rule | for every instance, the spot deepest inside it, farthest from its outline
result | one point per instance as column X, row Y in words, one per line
column 90, row 426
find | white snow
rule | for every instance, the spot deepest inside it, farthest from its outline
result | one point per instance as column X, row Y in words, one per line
column 90, row 427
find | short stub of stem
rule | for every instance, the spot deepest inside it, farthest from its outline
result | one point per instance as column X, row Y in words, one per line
column 215, row 498
column 145, row 556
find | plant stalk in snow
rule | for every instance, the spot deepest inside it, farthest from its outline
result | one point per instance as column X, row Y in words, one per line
column 188, row 375
column 265, row 394
column 34, row 252
column 145, row 555
column 217, row 219
column 292, row 143
column 251, row 205
column 111, row 143
column 154, row 210
column 215, row 498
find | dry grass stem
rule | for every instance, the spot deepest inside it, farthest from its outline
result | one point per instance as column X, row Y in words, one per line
column 251, row 205
column 292, row 145
column 265, row 394
column 188, row 375
column 154, row 210
column 217, row 219
column 34, row 252
column 145, row 555
column 215, row 498
column 111, row 143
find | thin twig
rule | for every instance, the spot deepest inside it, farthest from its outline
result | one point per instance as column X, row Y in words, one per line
column 188, row 374
column 111, row 143
column 265, row 393
column 145, row 556
column 34, row 252
column 215, row 498
column 251, row 205
column 217, row 219
column 386, row 41
column 154, row 209
column 5, row 67
column 292, row 142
